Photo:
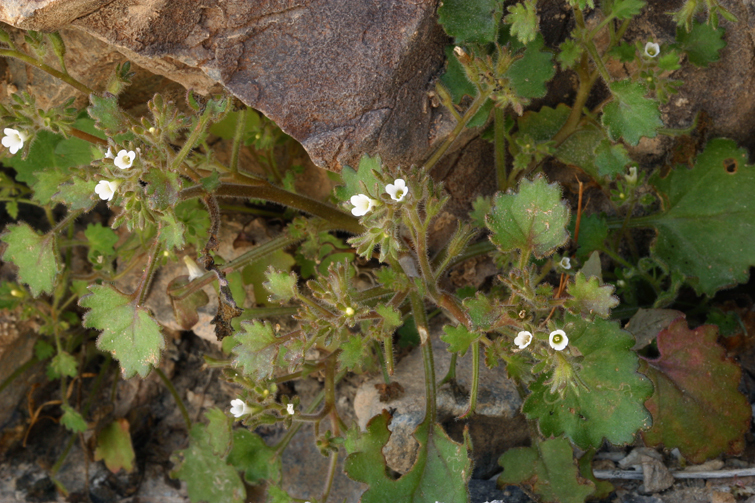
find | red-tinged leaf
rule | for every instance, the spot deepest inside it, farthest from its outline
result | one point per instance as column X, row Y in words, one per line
column 696, row 405
column 114, row 446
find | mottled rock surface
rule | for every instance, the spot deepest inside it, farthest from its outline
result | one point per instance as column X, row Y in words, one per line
column 495, row 427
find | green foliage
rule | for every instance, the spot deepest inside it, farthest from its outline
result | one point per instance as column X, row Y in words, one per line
column 529, row 74
column 72, row 420
column 601, row 397
column 35, row 256
column 114, row 446
column 696, row 405
column 471, row 21
column 129, row 332
column 361, row 180
column 101, row 241
column 207, row 475
column 703, row 208
column 534, row 220
column 256, row 349
column 589, row 298
column 251, row 456
column 62, row 364
column 523, row 20
column 255, row 274
column 623, row 9
column 702, row 43
column 631, row 115
column 281, row 285
column 549, row 468
column 458, row 338
column 440, row 472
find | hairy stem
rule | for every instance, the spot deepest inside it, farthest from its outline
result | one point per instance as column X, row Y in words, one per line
column 335, row 217
column 176, row 397
column 420, row 320
column 10, row 53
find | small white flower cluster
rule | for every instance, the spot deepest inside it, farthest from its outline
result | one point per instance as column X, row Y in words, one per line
column 363, row 204
column 124, row 160
column 557, row 340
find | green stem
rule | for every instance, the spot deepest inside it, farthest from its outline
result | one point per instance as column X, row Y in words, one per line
column 388, row 347
column 176, row 397
column 475, row 379
column 586, row 83
column 451, row 374
column 499, row 116
column 19, row 201
column 149, row 273
column 335, row 217
column 381, row 359
column 238, row 135
column 423, row 253
column 10, row 53
column 471, row 111
column 420, row 320
column 332, row 466
column 188, row 145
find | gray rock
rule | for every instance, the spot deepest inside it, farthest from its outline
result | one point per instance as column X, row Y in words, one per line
column 497, row 425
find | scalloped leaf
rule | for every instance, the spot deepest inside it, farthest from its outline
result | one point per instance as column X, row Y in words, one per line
column 129, row 332
column 207, row 475
column 458, row 338
column 471, row 21
column 549, row 469
column 534, row 220
column 35, row 256
column 281, row 285
column 257, row 349
column 529, row 74
column 702, row 43
column 707, row 228
column 631, row 115
column 252, row 456
column 114, row 446
column 440, row 473
column 696, row 405
column 354, row 179
column 612, row 405
column 590, row 298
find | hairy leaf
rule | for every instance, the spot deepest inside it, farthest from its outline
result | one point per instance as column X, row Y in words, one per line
column 631, row 115
column 207, row 475
column 707, row 228
column 36, row 257
column 702, row 43
column 364, row 175
column 471, row 21
column 62, row 364
column 533, row 220
column 523, row 20
column 590, row 298
column 72, row 420
column 257, row 349
column 549, row 468
column 254, row 274
column 252, row 456
column 440, row 473
column 529, row 74
column 114, row 446
column 129, row 332
column 281, row 285
column 608, row 403
column 458, row 338
column 696, row 405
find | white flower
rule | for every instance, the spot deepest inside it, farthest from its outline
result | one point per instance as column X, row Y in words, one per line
column 14, row 139
column 194, row 270
column 238, row 408
column 565, row 263
column 397, row 189
column 106, row 190
column 523, row 339
column 290, row 409
column 652, row 50
column 109, row 154
column 362, row 205
column 558, row 340
column 631, row 178
column 124, row 159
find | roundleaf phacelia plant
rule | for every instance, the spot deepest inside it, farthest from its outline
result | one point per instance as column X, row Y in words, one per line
column 349, row 277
